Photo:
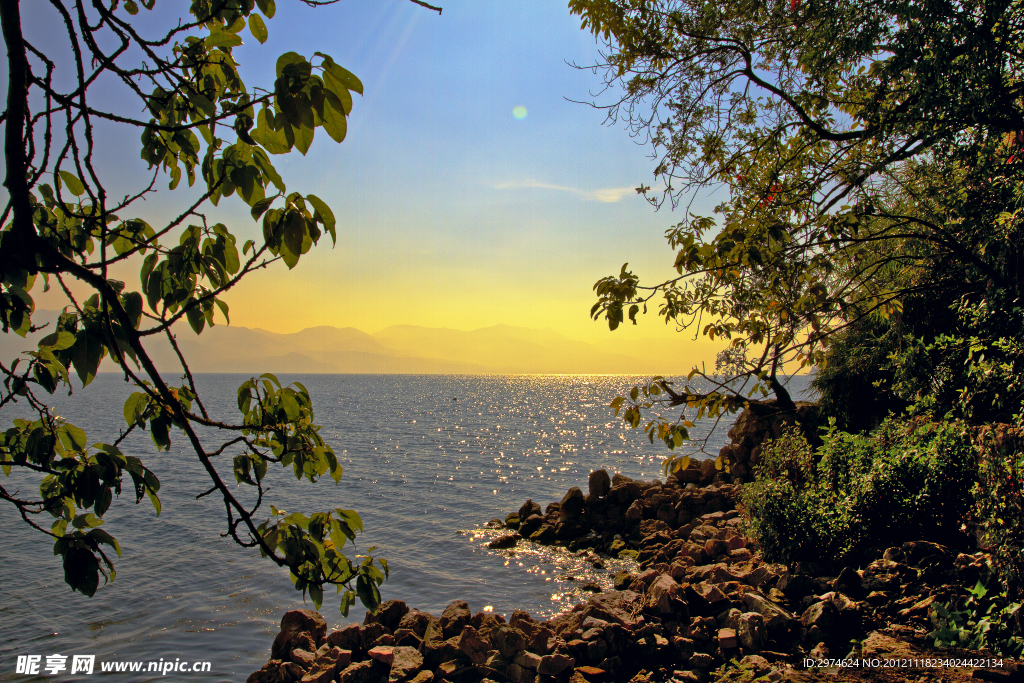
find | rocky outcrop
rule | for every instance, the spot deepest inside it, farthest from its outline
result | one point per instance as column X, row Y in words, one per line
column 761, row 421
column 702, row 596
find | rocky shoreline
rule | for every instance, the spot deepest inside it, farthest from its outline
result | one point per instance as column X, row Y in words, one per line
column 703, row 604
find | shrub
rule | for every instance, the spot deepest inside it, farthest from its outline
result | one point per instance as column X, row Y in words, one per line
column 904, row 481
column 1000, row 506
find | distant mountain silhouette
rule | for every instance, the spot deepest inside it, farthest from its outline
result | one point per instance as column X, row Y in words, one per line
column 501, row 349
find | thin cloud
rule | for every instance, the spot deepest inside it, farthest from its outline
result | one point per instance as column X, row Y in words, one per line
column 607, row 195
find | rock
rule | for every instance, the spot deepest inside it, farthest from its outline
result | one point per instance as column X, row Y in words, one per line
column 384, row 640
column 662, row 590
column 406, row 663
column 635, row 512
column 384, row 655
column 571, row 505
column 554, row 664
column 527, row 660
column 727, row 639
column 776, row 620
column 347, row 638
column 599, row 483
column 389, row 614
column 701, row 660
column 750, row 629
column 618, row 479
column 519, row 674
column 416, row 621
column 820, row 651
column 303, row 658
column 326, row 664
column 506, row 541
column 851, row 583
column 290, row 671
column 620, row 607
column 368, row 671
column 455, row 617
column 425, row 676
column 369, row 633
column 545, row 534
column 300, row 628
column 472, row 645
column 756, row 663
column 508, row 640
column 822, row 614
column 529, row 509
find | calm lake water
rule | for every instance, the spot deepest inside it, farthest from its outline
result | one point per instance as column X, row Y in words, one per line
column 428, row 460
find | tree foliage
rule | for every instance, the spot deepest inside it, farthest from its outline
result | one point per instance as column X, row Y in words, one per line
column 869, row 154
column 65, row 226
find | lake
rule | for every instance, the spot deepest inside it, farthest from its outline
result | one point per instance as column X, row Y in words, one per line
column 428, row 460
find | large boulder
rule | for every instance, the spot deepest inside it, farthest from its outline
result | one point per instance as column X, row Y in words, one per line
column 300, row 628
column 571, row 505
column 455, row 617
column 619, row 607
column 599, row 483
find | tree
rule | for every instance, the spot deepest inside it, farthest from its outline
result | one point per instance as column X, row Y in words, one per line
column 65, row 226
column 869, row 154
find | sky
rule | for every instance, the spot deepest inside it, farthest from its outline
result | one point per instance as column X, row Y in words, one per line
column 476, row 186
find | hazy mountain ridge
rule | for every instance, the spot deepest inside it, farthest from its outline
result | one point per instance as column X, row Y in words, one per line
column 400, row 349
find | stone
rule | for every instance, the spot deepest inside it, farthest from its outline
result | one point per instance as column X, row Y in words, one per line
column 389, row 614
column 776, row 619
column 554, row 664
column 727, row 639
column 406, row 662
column 599, row 483
column 519, row 674
column 472, row 645
column 702, row 660
column 290, row 671
column 369, row 633
column 508, row 640
column 303, row 658
column 347, row 638
column 597, row 650
column 425, row 676
column 571, row 505
column 503, row 542
column 384, row 655
column 527, row 660
column 750, row 629
column 367, row 671
column 662, row 590
column 635, row 512
column 300, row 628
column 416, row 621
column 822, row 614
column 529, row 509
column 455, row 617
column 756, row 663
column 326, row 665
column 620, row 607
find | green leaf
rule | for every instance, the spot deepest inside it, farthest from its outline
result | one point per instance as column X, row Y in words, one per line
column 223, row 39
column 335, row 124
column 257, row 28
column 343, row 77
column 131, row 7
column 72, row 182
column 101, row 536
column 323, row 211
column 267, row 7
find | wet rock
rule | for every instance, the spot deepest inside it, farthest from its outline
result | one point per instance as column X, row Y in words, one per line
column 599, row 483
column 571, row 505
column 545, row 534
column 503, row 542
column 455, row 617
column 529, row 509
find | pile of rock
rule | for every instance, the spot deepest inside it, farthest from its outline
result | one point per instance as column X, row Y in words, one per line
column 760, row 422
column 703, row 596
column 649, row 521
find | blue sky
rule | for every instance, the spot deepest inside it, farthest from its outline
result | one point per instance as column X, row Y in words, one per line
column 452, row 211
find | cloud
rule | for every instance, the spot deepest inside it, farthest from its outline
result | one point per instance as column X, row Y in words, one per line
column 607, row 195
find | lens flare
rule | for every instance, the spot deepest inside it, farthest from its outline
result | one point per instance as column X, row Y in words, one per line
column 519, row 112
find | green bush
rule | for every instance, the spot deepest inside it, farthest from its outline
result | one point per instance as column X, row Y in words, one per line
column 1000, row 507
column 904, row 481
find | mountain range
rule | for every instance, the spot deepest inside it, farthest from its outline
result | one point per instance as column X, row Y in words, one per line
column 500, row 349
